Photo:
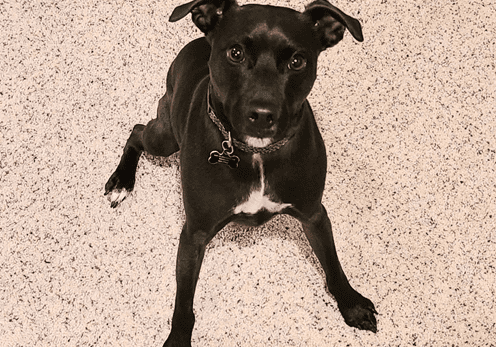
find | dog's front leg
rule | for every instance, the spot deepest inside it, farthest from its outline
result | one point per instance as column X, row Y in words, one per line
column 190, row 254
column 357, row 310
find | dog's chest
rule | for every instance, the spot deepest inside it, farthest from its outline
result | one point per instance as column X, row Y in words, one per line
column 259, row 199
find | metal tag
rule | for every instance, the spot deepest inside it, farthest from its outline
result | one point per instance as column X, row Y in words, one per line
column 226, row 157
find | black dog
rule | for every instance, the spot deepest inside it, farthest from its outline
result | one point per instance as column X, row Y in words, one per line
column 250, row 148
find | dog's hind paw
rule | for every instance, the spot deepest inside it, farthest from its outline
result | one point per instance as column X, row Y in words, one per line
column 120, row 185
column 118, row 196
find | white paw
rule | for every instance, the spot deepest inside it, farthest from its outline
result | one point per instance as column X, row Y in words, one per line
column 118, row 196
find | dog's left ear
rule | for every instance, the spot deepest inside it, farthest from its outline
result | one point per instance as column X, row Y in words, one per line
column 205, row 13
column 330, row 23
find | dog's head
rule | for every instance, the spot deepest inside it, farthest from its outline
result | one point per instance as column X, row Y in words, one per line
column 263, row 60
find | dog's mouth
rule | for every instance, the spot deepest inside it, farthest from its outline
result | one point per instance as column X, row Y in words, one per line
column 260, row 138
column 258, row 142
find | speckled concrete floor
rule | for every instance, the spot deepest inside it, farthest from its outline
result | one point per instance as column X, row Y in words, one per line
column 408, row 117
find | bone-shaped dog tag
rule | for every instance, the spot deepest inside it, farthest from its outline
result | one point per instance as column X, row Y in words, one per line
column 226, row 157
column 216, row 158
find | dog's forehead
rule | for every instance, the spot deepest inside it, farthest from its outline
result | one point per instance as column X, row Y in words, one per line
column 278, row 24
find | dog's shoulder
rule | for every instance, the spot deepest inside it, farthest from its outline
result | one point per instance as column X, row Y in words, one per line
column 196, row 52
column 191, row 64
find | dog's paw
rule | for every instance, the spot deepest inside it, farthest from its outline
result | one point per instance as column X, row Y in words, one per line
column 121, row 186
column 118, row 196
column 359, row 313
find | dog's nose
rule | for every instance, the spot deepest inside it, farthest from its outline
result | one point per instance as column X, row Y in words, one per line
column 262, row 117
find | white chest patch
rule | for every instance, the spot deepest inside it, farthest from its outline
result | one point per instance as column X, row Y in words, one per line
column 257, row 199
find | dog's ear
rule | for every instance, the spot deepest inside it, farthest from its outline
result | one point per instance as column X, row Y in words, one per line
column 330, row 23
column 205, row 13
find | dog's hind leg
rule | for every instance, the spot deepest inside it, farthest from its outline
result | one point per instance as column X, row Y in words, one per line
column 155, row 138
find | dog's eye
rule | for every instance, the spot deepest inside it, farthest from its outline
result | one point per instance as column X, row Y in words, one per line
column 297, row 62
column 236, row 54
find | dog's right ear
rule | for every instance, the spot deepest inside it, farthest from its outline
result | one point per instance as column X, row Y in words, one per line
column 205, row 13
column 330, row 23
